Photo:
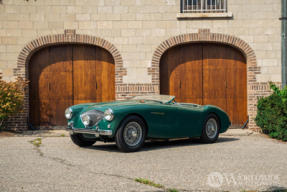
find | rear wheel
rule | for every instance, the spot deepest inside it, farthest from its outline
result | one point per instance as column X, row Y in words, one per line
column 210, row 129
column 79, row 140
column 131, row 134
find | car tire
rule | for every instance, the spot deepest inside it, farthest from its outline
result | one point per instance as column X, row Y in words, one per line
column 79, row 140
column 131, row 134
column 211, row 129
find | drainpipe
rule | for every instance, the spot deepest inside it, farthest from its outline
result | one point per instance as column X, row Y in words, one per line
column 283, row 40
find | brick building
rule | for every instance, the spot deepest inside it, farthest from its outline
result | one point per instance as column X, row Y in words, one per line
column 203, row 51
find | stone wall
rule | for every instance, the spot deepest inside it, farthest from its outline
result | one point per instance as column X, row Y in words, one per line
column 137, row 28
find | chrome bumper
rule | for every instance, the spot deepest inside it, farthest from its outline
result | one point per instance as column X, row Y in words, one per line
column 96, row 132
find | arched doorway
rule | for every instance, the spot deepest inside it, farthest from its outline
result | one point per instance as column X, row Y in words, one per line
column 65, row 75
column 207, row 73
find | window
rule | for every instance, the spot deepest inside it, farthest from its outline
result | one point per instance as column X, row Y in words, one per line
column 203, row 6
column 203, row 9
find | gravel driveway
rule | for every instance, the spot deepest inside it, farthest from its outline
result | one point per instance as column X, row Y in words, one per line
column 231, row 164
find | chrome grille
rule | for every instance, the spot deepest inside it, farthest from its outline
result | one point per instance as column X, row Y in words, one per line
column 95, row 115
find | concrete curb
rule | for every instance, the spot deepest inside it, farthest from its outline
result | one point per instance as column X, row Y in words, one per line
column 44, row 133
column 239, row 132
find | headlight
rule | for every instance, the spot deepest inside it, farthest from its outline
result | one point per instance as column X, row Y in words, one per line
column 69, row 113
column 109, row 115
column 86, row 120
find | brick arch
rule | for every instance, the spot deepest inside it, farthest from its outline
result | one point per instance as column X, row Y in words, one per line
column 69, row 36
column 19, row 121
column 204, row 35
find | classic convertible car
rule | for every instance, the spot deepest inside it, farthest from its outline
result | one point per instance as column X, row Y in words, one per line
column 129, row 123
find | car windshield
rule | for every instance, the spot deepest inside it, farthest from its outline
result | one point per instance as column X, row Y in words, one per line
column 160, row 98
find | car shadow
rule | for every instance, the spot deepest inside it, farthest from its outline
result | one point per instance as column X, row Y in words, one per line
column 157, row 145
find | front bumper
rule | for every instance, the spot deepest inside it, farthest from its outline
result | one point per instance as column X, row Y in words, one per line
column 97, row 132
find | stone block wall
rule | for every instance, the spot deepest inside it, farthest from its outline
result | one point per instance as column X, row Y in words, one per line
column 138, row 29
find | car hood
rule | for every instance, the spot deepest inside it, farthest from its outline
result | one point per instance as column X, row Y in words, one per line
column 105, row 105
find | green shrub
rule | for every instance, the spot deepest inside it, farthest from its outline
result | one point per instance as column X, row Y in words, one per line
column 11, row 97
column 272, row 113
column 282, row 93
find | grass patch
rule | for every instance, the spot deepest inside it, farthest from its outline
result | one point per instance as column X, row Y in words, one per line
column 148, row 182
column 37, row 142
column 63, row 135
column 172, row 190
column 153, row 184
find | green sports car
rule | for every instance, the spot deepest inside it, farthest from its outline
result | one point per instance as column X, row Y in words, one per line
column 129, row 123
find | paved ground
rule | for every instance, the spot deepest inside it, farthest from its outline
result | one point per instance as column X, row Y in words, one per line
column 234, row 163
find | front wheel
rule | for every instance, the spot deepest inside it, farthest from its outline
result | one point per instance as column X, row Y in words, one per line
column 79, row 140
column 131, row 134
column 210, row 129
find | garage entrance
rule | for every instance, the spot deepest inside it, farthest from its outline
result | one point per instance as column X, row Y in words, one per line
column 206, row 73
column 65, row 75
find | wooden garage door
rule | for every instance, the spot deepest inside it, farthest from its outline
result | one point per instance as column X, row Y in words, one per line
column 207, row 74
column 65, row 75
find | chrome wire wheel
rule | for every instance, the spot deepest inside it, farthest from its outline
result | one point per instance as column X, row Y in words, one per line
column 132, row 134
column 211, row 128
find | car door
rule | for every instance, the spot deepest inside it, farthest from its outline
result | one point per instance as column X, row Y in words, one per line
column 187, row 124
column 162, row 120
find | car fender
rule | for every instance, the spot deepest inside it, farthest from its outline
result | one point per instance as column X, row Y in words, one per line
column 222, row 116
column 120, row 113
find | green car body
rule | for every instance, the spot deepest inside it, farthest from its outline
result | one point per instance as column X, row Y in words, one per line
column 163, row 120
